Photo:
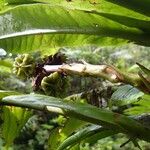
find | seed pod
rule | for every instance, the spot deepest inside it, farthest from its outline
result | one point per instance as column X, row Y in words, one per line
column 55, row 84
column 24, row 66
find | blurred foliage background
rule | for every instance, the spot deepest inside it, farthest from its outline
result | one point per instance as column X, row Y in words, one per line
column 35, row 134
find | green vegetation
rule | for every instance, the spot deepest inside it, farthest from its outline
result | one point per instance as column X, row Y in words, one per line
column 74, row 74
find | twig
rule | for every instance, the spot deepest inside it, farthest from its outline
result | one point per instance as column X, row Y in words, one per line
column 106, row 72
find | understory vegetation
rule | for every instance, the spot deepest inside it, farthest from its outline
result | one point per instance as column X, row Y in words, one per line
column 74, row 75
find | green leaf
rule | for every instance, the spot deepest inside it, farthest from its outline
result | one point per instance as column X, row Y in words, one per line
column 104, row 6
column 67, row 23
column 6, row 63
column 7, row 93
column 76, row 25
column 127, row 21
column 144, row 69
column 54, row 139
column 77, row 137
column 99, row 135
column 146, row 81
column 71, row 125
column 142, row 106
column 20, row 1
column 81, row 135
column 145, row 76
column 13, row 120
column 144, row 119
column 81, row 111
column 58, row 135
column 125, row 95
column 24, row 34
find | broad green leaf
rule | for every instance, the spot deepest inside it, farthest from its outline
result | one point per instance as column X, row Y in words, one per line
column 81, row 111
column 104, row 6
column 13, row 120
column 142, row 106
column 100, row 26
column 125, row 94
column 71, row 28
column 50, row 43
column 127, row 21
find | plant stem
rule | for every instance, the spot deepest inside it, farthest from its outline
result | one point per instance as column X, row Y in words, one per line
column 106, row 72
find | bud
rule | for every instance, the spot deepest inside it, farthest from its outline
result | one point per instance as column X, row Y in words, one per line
column 24, row 66
column 55, row 84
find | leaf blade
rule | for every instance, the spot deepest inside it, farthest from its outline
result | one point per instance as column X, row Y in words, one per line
column 81, row 111
column 39, row 29
column 125, row 95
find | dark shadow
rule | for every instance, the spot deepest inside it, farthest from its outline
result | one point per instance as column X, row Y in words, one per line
column 140, row 6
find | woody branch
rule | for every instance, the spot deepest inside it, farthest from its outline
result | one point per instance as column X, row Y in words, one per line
column 106, row 72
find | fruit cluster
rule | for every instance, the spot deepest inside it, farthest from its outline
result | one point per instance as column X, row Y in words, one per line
column 55, row 84
column 24, row 66
column 51, row 83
